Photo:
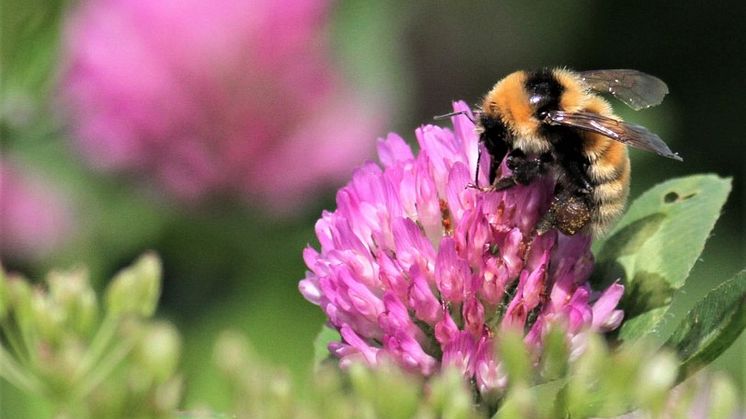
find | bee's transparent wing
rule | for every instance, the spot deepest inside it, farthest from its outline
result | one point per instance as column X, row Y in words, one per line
column 624, row 132
column 634, row 88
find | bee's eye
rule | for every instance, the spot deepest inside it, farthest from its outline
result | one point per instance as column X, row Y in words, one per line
column 543, row 90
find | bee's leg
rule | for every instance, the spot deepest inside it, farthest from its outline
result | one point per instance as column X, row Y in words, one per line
column 503, row 183
column 496, row 149
column 498, row 185
column 492, row 174
column 572, row 206
column 523, row 169
column 568, row 213
column 526, row 169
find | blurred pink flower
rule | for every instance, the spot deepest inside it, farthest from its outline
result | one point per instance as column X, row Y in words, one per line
column 208, row 97
column 35, row 218
column 418, row 267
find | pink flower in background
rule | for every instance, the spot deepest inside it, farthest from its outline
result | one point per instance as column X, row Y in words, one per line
column 418, row 267
column 208, row 97
column 34, row 216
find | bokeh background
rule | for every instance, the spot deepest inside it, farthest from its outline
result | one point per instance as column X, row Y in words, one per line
column 216, row 132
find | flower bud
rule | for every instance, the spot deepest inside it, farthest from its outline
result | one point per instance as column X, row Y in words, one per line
column 520, row 403
column 135, row 290
column 159, row 351
column 724, row 399
column 71, row 292
column 585, row 374
column 449, row 395
column 554, row 360
column 232, row 353
column 48, row 318
column 392, row 392
column 656, row 378
column 168, row 395
column 18, row 298
column 515, row 357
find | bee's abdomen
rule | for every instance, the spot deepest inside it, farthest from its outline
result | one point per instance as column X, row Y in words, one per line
column 609, row 174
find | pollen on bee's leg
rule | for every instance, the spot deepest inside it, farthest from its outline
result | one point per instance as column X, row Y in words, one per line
column 568, row 214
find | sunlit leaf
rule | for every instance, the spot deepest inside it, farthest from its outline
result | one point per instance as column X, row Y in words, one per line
column 656, row 244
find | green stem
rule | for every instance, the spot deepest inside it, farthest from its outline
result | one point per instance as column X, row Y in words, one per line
column 18, row 348
column 29, row 335
column 102, row 339
column 104, row 368
column 18, row 376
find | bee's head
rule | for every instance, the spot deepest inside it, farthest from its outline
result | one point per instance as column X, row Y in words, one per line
column 517, row 100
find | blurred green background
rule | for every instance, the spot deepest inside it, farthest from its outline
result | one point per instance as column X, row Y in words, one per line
column 232, row 265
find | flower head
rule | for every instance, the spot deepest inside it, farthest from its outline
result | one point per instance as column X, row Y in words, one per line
column 208, row 97
column 418, row 267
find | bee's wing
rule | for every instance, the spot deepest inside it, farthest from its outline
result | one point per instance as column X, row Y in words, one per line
column 624, row 132
column 634, row 88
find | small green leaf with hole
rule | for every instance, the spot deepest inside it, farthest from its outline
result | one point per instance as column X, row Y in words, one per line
column 655, row 245
column 711, row 326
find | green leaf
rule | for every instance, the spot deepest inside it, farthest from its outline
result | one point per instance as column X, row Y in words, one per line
column 655, row 245
column 320, row 351
column 711, row 326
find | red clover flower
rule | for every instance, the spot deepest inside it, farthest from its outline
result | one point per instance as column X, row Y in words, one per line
column 418, row 267
column 214, row 97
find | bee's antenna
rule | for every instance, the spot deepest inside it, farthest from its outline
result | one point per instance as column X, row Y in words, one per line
column 448, row 115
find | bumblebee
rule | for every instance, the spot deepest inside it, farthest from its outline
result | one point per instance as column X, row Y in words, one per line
column 552, row 121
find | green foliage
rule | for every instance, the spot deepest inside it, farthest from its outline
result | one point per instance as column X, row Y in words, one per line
column 29, row 31
column 320, row 344
column 711, row 326
column 604, row 383
column 112, row 360
column 656, row 244
column 260, row 390
column 515, row 357
column 58, row 345
column 636, row 379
